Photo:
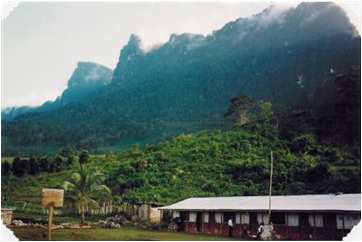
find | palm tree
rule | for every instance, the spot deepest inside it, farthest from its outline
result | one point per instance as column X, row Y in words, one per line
column 85, row 188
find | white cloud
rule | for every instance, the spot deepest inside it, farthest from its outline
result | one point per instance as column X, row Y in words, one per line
column 30, row 99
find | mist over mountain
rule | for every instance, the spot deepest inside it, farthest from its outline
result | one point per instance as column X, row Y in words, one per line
column 87, row 78
column 288, row 57
column 267, row 56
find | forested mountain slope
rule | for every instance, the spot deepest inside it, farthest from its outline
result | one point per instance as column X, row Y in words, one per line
column 287, row 57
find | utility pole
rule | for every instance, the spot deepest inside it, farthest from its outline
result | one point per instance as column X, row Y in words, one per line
column 270, row 184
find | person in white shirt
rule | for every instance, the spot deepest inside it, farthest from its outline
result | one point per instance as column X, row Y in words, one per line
column 260, row 230
column 230, row 224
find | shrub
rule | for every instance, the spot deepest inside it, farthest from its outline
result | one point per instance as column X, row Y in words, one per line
column 5, row 168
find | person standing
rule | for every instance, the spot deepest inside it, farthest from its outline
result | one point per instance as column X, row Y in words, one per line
column 230, row 224
column 260, row 230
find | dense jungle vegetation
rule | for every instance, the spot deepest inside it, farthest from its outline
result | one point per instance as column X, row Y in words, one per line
column 215, row 163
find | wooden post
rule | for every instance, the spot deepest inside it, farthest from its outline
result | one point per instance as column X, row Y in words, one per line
column 287, row 222
column 314, row 226
column 149, row 212
column 50, row 222
column 270, row 184
column 343, row 226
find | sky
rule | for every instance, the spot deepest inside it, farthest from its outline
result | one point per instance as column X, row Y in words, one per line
column 42, row 42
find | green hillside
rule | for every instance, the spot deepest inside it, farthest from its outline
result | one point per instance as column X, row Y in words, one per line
column 219, row 163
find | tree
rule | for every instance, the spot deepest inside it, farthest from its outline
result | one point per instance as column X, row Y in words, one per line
column 52, row 166
column 265, row 119
column 71, row 159
column 318, row 173
column 59, row 163
column 44, row 163
column 303, row 143
column 5, row 168
column 348, row 106
column 240, row 109
column 84, row 157
column 17, row 168
column 68, row 155
column 85, row 188
column 20, row 167
column 34, row 166
column 265, row 112
column 67, row 151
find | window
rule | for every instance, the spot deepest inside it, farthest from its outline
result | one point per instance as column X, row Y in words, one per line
column 205, row 217
column 218, row 218
column 347, row 220
column 237, row 218
column 293, row 219
column 263, row 217
column 350, row 221
column 192, row 217
column 317, row 218
column 175, row 214
column 339, row 221
column 245, row 218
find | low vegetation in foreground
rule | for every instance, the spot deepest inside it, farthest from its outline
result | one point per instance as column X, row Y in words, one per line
column 124, row 233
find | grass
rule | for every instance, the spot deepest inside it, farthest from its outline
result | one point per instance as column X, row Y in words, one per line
column 43, row 218
column 7, row 159
column 337, row 167
column 124, row 233
column 28, row 188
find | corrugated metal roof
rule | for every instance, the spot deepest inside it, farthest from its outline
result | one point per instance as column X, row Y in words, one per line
column 326, row 202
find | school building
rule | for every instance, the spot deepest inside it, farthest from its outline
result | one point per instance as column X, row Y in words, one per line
column 295, row 217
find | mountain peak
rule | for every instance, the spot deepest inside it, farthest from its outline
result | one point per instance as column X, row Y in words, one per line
column 134, row 40
column 324, row 15
column 306, row 22
column 90, row 73
column 133, row 46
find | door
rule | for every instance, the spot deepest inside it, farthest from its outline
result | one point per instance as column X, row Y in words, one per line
column 253, row 222
column 330, row 224
column 304, row 229
column 183, row 219
column 199, row 222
